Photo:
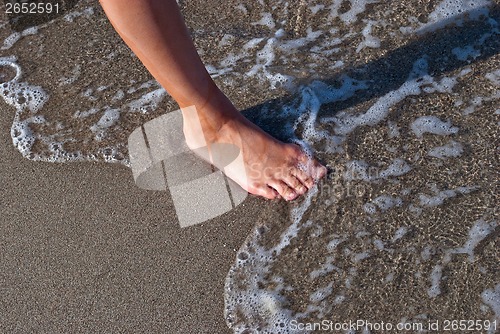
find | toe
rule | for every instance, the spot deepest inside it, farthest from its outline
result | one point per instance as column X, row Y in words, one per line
column 284, row 190
column 294, row 183
column 269, row 193
column 303, row 178
column 320, row 170
column 314, row 169
column 265, row 192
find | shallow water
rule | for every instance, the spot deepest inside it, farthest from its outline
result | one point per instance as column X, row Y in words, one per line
column 399, row 100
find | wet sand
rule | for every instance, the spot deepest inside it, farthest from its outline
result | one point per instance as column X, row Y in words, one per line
column 82, row 249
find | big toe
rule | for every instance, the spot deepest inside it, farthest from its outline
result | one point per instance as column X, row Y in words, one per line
column 311, row 168
column 264, row 191
column 320, row 170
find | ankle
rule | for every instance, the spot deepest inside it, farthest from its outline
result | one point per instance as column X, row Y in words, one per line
column 213, row 116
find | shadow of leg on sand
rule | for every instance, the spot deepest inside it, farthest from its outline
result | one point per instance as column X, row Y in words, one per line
column 439, row 48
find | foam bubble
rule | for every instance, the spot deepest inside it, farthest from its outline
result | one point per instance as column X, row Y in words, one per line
column 451, row 11
column 479, row 231
column 466, row 52
column 24, row 98
column 435, row 279
column 108, row 119
column 397, row 167
column 10, row 62
column 357, row 7
column 491, row 297
column 441, row 196
column 383, row 202
column 86, row 13
column 451, row 149
column 433, row 125
column 16, row 36
column 266, row 20
column 494, row 77
column 401, row 232
column 369, row 41
column 321, row 293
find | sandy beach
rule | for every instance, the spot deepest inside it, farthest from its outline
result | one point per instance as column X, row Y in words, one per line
column 84, row 250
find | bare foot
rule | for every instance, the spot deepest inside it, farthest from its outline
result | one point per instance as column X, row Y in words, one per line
column 266, row 166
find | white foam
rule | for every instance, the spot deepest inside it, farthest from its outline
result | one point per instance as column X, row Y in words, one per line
column 379, row 244
column 11, row 62
column 316, row 8
column 356, row 7
column 261, row 308
column 86, row 13
column 360, row 256
column 226, row 40
column 369, row 41
column 270, row 59
column 433, row 125
column 466, row 53
column 397, row 167
column 435, row 279
column 332, row 245
column 266, row 20
column 86, row 113
column 119, row 95
column 491, row 297
column 148, row 102
column 24, row 98
column 418, row 77
column 16, row 36
column 427, row 252
column 451, row 149
column 357, row 170
column 11, row 40
column 107, row 120
column 75, row 74
column 383, row 202
column 479, row 231
column 326, row 268
column 450, row 8
column 440, row 196
column 264, row 59
column 494, row 77
column 452, row 11
column 321, row 293
column 401, row 232
column 370, row 208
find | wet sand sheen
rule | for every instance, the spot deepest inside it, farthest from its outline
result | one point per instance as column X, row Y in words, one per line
column 379, row 242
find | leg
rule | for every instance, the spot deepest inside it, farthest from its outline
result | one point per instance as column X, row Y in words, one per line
column 156, row 33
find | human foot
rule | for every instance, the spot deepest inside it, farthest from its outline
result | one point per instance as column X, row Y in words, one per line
column 265, row 166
